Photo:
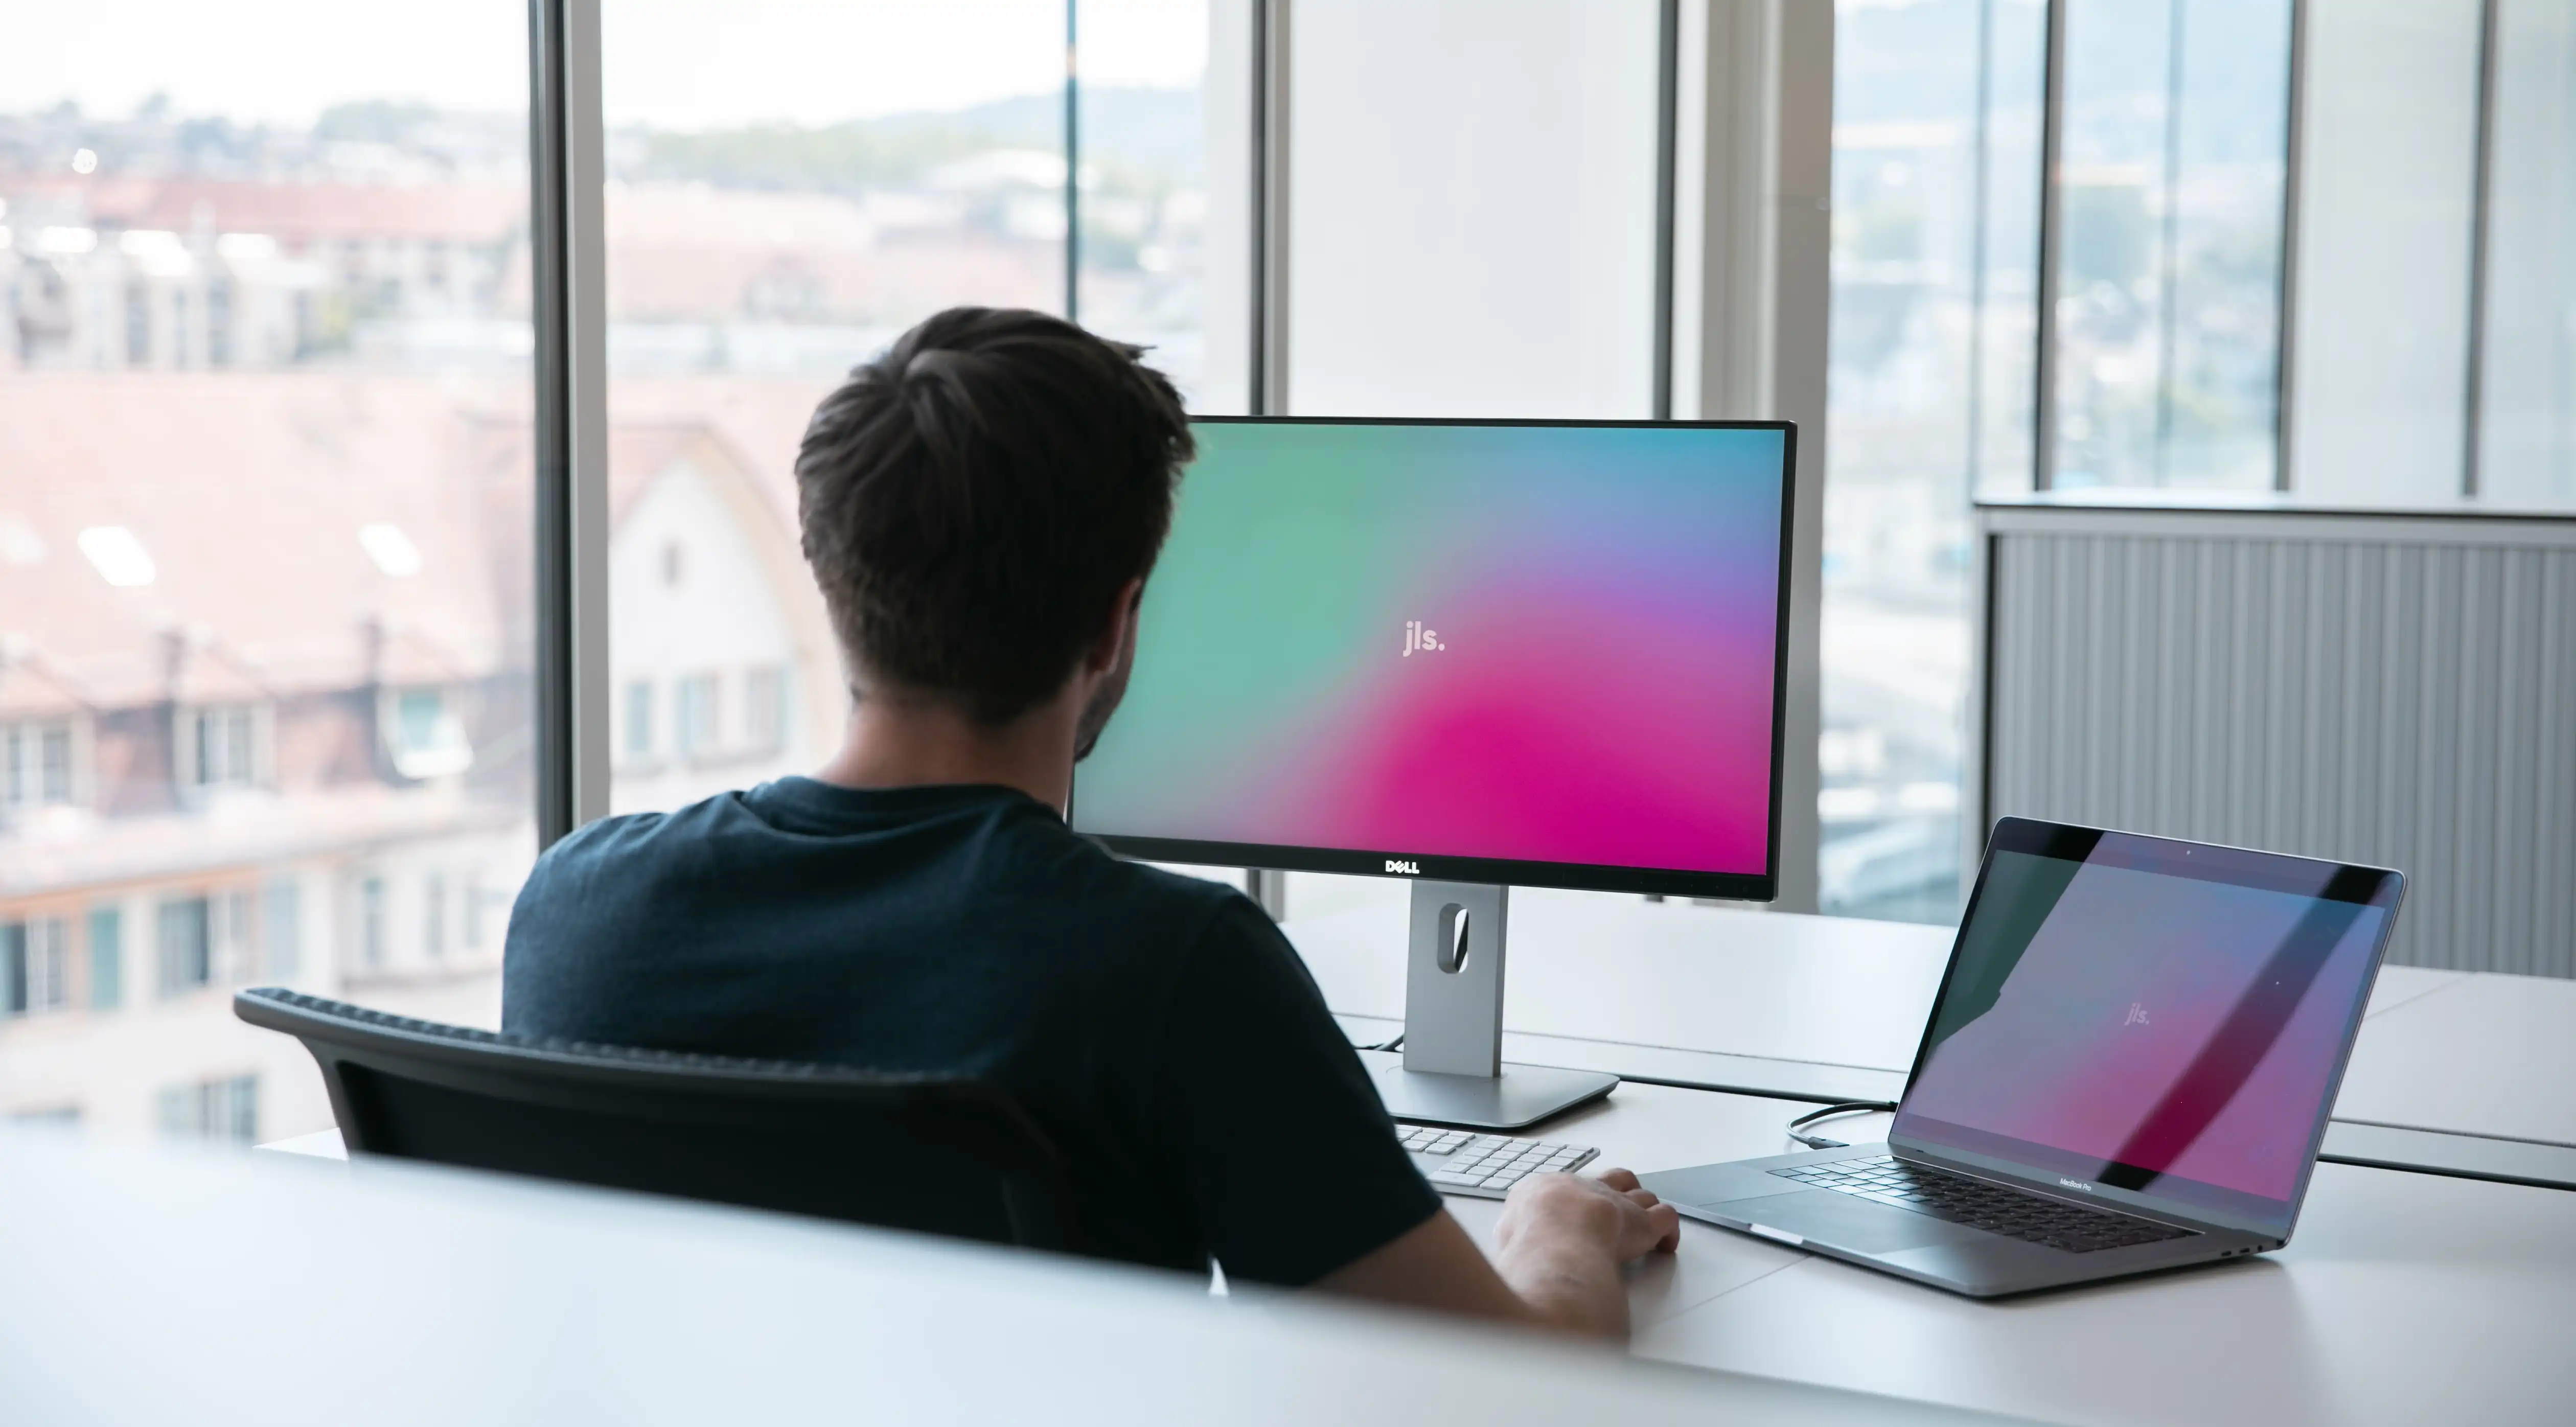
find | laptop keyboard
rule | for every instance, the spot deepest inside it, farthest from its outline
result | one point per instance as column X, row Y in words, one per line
column 1993, row 1207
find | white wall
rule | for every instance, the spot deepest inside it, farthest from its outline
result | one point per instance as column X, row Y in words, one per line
column 1472, row 207
column 2379, row 376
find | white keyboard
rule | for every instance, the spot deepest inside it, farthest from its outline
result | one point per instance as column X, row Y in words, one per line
column 1485, row 1166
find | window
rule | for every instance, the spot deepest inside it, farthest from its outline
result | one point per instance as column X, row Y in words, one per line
column 49, row 986
column 694, row 725
column 1143, row 190
column 1937, row 125
column 221, row 747
column 639, row 719
column 371, row 922
column 2171, row 189
column 225, row 1108
column 35, row 764
column 433, row 914
column 424, row 737
column 310, row 572
column 35, row 965
column 106, row 958
column 764, row 710
column 186, row 944
column 781, row 207
column 282, row 929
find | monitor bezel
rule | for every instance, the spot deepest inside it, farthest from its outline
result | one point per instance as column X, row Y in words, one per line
column 1411, row 865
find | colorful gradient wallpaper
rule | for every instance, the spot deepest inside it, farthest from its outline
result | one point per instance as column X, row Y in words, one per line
column 2121, row 1016
column 1552, row 644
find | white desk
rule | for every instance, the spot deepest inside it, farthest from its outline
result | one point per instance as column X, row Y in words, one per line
column 1832, row 1007
column 2402, row 1298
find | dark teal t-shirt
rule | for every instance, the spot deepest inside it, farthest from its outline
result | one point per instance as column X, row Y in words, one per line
column 1158, row 1027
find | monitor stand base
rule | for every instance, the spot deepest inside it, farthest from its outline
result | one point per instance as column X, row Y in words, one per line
column 1520, row 1097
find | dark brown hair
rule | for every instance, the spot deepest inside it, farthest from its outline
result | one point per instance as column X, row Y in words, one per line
column 974, row 500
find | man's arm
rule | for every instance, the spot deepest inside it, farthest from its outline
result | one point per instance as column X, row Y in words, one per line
column 1556, row 1263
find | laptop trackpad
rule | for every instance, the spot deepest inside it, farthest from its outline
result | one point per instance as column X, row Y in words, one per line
column 1846, row 1221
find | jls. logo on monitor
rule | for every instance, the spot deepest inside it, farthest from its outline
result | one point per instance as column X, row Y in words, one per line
column 1409, row 869
column 1417, row 638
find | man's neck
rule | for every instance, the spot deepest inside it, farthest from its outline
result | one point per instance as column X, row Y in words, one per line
column 907, row 744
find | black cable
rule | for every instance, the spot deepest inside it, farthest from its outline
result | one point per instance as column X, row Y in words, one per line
column 1834, row 1112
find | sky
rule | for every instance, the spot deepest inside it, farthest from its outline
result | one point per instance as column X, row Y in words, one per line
column 668, row 63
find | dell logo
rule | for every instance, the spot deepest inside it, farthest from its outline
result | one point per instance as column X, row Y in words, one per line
column 2073, row 1184
column 1409, row 869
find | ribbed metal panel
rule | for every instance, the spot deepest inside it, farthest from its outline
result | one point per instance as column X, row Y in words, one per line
column 2399, row 692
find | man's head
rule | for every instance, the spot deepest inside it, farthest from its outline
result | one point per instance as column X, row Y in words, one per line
column 981, row 506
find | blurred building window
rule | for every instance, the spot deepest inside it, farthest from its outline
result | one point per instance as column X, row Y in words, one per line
column 36, row 764
column 371, row 922
column 281, row 930
column 764, row 709
column 695, row 729
column 225, row 1108
column 186, row 944
column 106, row 958
column 433, row 914
column 639, row 719
column 35, row 967
column 221, row 747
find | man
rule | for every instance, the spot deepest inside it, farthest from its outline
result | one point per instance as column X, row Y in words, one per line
column 981, row 507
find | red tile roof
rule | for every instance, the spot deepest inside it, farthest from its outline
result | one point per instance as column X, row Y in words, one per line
column 248, row 492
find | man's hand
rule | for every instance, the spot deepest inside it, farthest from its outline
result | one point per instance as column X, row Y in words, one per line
column 1611, row 1213
column 1556, row 1257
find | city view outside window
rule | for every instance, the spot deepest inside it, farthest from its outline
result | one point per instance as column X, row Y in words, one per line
column 265, row 580
column 2171, row 186
column 1929, row 394
column 778, row 210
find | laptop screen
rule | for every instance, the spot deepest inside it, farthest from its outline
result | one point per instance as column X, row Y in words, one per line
column 2155, row 1016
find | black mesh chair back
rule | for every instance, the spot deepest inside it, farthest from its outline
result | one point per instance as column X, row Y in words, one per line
column 940, row 1155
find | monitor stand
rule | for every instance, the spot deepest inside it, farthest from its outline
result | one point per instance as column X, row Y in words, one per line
column 1453, row 1071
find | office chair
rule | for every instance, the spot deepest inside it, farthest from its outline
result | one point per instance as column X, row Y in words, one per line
column 936, row 1154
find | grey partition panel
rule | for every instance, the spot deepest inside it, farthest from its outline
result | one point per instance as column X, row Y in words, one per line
column 2394, row 690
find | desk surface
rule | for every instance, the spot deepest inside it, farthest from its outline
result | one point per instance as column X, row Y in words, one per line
column 1833, row 1007
column 208, row 1287
column 2402, row 1298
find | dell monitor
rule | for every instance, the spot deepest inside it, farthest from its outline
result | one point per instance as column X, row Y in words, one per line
column 1468, row 654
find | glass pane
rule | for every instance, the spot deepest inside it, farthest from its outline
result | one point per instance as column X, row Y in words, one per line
column 1928, row 391
column 2388, row 186
column 2527, row 434
column 264, row 396
column 780, row 206
column 2175, row 124
column 1151, row 176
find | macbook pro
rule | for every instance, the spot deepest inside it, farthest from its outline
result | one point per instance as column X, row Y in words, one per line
column 2129, row 1067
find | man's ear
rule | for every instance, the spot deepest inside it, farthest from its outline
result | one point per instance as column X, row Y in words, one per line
column 1119, row 633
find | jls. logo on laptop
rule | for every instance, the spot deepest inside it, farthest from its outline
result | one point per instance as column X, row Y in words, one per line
column 1417, row 639
column 2137, row 1014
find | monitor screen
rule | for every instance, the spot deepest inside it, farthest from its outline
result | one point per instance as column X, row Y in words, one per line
column 1535, row 653
column 2156, row 1016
